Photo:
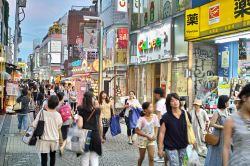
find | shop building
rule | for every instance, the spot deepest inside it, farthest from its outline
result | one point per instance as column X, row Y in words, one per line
column 115, row 47
column 158, row 52
column 219, row 49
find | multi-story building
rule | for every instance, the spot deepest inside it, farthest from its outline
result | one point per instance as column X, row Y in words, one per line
column 115, row 48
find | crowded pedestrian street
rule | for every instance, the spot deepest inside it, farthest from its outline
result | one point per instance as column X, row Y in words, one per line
column 125, row 82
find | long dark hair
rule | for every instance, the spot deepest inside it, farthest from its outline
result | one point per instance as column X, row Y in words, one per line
column 168, row 100
column 87, row 100
column 100, row 97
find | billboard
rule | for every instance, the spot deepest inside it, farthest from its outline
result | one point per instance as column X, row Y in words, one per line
column 55, row 58
column 56, row 46
column 90, row 37
column 154, row 44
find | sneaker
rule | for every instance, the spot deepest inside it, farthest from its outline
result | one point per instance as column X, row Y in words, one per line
column 159, row 160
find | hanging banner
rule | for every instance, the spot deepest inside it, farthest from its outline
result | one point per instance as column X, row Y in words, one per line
column 137, row 6
column 122, row 5
column 122, row 37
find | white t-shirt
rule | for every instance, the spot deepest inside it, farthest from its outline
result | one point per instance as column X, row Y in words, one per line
column 134, row 103
column 148, row 127
column 161, row 106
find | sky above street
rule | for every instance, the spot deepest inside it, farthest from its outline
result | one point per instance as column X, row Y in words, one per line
column 40, row 15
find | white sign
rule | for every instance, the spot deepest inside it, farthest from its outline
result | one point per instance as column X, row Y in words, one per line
column 154, row 44
column 225, row 59
column 122, row 5
column 56, row 58
column 136, row 4
column 56, row 46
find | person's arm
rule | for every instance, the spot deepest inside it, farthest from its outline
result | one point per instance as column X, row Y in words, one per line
column 228, row 130
column 140, row 133
column 161, row 140
column 19, row 99
column 214, row 120
column 156, row 132
column 80, row 122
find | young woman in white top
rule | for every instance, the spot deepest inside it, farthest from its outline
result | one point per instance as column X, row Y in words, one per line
column 147, row 130
column 49, row 142
column 132, row 102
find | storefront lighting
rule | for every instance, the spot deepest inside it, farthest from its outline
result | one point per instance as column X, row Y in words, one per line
column 231, row 38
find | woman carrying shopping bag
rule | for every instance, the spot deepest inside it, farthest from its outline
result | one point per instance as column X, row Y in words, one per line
column 90, row 119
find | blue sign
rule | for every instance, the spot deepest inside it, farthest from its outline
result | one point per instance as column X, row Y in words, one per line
column 196, row 3
column 76, row 63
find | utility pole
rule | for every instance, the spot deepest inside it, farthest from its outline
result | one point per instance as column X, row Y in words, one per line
column 16, row 32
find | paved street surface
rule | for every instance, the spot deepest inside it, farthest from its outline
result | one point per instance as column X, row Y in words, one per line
column 13, row 152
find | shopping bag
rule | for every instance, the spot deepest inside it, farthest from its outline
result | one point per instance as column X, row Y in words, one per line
column 77, row 140
column 115, row 127
column 134, row 115
column 194, row 160
column 29, row 137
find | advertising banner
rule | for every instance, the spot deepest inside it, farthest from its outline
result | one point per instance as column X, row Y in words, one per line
column 122, row 36
column 137, row 6
column 56, row 46
column 154, row 44
column 216, row 18
column 122, row 5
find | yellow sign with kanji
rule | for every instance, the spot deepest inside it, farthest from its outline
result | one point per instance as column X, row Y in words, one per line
column 220, row 17
column 192, row 26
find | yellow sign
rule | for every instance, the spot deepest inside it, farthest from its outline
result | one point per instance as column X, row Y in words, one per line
column 192, row 26
column 220, row 17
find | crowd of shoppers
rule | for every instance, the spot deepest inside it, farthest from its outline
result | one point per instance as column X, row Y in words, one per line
column 161, row 128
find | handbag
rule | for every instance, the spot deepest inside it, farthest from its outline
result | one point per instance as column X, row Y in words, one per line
column 78, row 140
column 212, row 139
column 17, row 107
column 115, row 127
column 190, row 131
column 40, row 125
column 29, row 137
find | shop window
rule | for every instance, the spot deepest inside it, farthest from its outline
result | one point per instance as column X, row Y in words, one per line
column 179, row 82
column 180, row 45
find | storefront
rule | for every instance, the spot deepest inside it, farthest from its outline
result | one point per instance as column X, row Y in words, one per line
column 219, row 48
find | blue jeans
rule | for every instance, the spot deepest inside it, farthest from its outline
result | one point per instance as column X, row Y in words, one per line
column 22, row 121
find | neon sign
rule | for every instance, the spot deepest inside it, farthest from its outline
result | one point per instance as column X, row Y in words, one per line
column 145, row 45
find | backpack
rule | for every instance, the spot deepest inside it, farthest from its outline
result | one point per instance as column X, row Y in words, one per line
column 65, row 111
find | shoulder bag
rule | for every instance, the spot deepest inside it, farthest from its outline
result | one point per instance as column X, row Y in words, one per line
column 212, row 139
column 17, row 107
column 190, row 131
column 201, row 130
column 40, row 125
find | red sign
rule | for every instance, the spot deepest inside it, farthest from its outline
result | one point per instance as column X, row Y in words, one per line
column 214, row 12
column 122, row 36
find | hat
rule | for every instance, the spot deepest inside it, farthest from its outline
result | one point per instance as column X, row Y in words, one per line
column 197, row 102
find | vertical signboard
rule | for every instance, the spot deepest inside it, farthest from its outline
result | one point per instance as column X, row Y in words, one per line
column 122, row 36
column 137, row 6
column 192, row 27
column 122, row 5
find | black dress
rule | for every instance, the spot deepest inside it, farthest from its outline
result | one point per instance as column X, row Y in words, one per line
column 92, row 124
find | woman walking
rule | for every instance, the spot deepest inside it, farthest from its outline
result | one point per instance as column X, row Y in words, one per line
column 132, row 102
column 237, row 131
column 23, row 114
column 49, row 141
column 106, row 112
column 200, row 122
column 90, row 119
column 73, row 98
column 214, row 154
column 147, row 130
column 173, row 132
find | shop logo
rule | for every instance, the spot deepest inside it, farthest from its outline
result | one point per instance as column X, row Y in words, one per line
column 214, row 14
column 149, row 45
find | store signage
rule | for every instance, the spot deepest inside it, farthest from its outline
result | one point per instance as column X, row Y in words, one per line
column 149, row 45
column 122, row 5
column 214, row 14
column 122, row 36
column 76, row 63
column 217, row 18
column 225, row 60
column 137, row 6
column 192, row 23
column 154, row 44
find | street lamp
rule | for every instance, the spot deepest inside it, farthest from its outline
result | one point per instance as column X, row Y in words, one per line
column 88, row 18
